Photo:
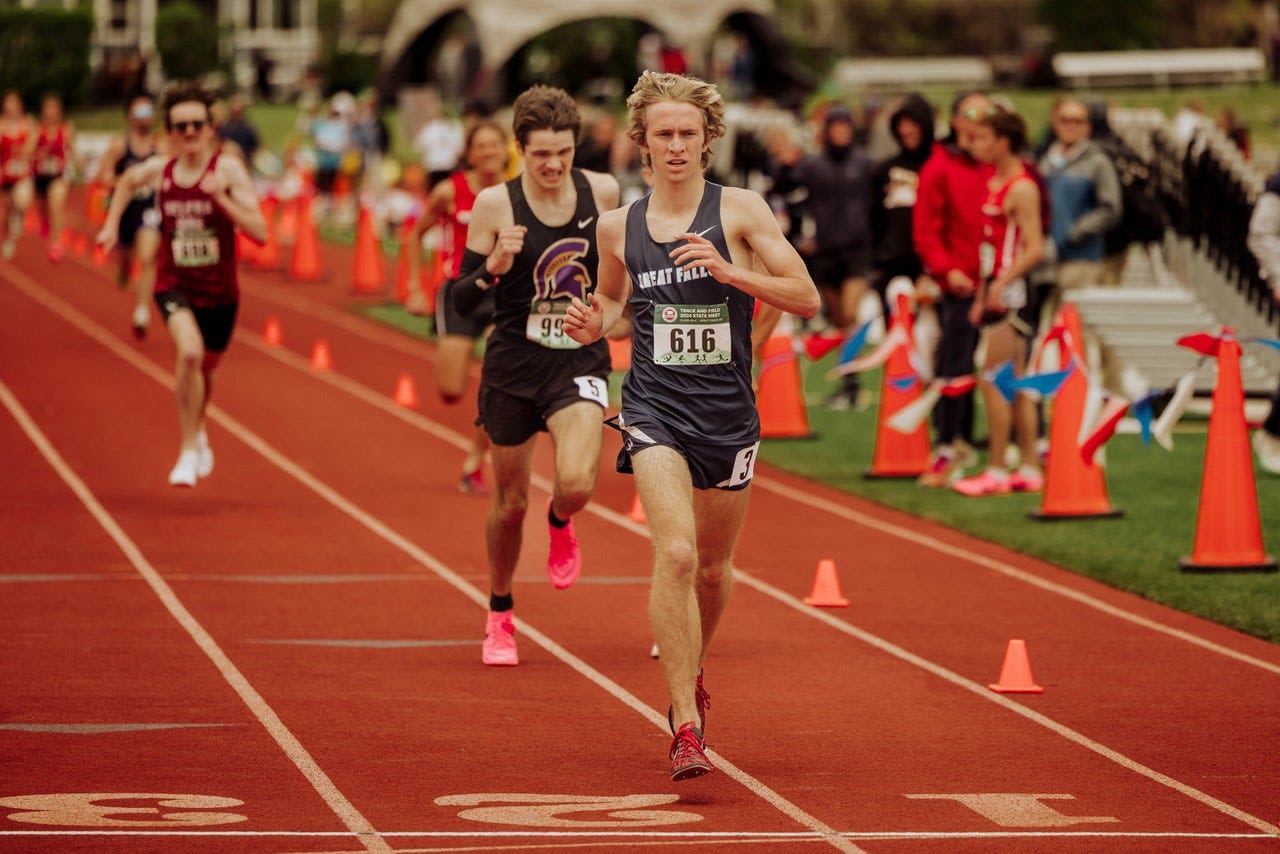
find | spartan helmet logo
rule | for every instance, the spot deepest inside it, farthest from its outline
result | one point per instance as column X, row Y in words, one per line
column 560, row 271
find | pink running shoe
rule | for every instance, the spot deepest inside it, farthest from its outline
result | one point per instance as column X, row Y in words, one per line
column 703, row 701
column 1026, row 481
column 984, row 483
column 499, row 648
column 55, row 253
column 688, row 754
column 473, row 483
column 564, row 563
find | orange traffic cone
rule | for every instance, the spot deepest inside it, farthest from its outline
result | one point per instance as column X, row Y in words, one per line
column 780, row 392
column 287, row 228
column 272, row 334
column 1073, row 489
column 246, row 250
column 433, row 279
column 826, row 587
column 619, row 353
column 321, row 360
column 402, row 260
column 897, row 454
column 1228, row 528
column 637, row 511
column 406, row 393
column 96, row 201
column 268, row 254
column 368, row 260
column 1015, row 674
column 305, row 263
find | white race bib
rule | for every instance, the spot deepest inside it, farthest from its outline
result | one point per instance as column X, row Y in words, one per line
column 195, row 248
column 545, row 325
column 691, row 334
column 593, row 388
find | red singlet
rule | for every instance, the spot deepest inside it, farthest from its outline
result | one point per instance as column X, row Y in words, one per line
column 197, row 244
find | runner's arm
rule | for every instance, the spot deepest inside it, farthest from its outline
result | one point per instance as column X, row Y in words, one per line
column 439, row 203
column 492, row 239
column 234, row 192
column 144, row 174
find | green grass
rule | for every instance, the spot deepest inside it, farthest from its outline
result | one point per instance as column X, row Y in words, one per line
column 1158, row 491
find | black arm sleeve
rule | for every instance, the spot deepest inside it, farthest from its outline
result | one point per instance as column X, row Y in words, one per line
column 468, row 291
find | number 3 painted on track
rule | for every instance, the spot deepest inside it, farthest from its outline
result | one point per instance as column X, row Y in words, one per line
column 544, row 810
column 82, row 810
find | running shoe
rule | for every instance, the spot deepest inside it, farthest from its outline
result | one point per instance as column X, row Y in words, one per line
column 689, row 754
column 983, row 483
column 700, row 698
column 204, row 455
column 10, row 247
column 55, row 252
column 942, row 471
column 473, row 483
column 140, row 321
column 186, row 470
column 564, row 562
column 499, row 647
column 1026, row 480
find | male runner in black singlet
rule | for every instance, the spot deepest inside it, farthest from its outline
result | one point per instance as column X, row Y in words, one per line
column 690, row 259
column 531, row 243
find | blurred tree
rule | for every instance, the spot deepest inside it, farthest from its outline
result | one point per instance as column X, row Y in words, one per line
column 187, row 40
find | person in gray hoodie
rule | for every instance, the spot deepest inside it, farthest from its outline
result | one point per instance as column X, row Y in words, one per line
column 1085, row 195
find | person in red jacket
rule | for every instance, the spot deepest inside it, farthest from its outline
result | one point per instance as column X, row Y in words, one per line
column 947, row 229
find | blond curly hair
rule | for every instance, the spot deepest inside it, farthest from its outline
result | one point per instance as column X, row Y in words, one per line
column 656, row 88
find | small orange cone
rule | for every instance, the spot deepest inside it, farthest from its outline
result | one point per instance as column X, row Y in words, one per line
column 272, row 333
column 305, row 263
column 321, row 360
column 1015, row 674
column 268, row 254
column 401, row 288
column 1073, row 489
column 896, row 454
column 368, row 259
column 433, row 279
column 406, row 393
column 637, row 511
column 1228, row 527
column 826, row 587
column 247, row 251
column 780, row 392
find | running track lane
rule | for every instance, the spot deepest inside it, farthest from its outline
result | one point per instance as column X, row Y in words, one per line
column 833, row 687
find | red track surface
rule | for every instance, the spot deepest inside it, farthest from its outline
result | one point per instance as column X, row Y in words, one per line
column 286, row 658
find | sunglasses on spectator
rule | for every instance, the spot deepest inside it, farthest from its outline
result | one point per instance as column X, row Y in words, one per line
column 1072, row 120
column 196, row 125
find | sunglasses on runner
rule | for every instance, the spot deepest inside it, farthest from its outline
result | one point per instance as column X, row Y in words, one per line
column 196, row 125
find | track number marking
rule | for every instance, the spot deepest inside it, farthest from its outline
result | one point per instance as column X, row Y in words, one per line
column 121, row 809
column 536, row 810
column 1016, row 810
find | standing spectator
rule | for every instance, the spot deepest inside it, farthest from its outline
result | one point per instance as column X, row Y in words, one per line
column 52, row 154
column 1264, row 243
column 1143, row 219
column 947, row 227
column 690, row 259
column 373, row 141
column 1085, row 196
column 439, row 142
column 897, row 181
column 1004, row 306
column 532, row 243
column 331, row 141
column 203, row 198
column 236, row 128
column 840, row 196
column 16, row 128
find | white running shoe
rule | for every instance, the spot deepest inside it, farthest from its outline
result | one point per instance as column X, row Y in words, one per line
column 10, row 247
column 204, row 455
column 186, row 470
column 140, row 321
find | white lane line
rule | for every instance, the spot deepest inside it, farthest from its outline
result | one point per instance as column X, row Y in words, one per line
column 257, row 705
column 904, row 533
column 620, row 693
column 92, row 329
column 660, row 834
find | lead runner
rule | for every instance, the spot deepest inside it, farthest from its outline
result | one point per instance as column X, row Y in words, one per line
column 690, row 259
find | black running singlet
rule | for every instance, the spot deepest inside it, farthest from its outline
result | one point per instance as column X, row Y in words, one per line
column 691, row 336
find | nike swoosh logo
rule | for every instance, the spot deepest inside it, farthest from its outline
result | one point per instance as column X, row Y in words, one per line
column 583, row 223
column 706, row 231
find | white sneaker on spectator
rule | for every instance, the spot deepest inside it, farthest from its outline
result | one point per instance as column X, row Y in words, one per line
column 1267, row 448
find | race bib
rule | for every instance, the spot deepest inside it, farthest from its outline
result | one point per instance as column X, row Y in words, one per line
column 691, row 334
column 195, row 248
column 545, row 325
column 50, row 166
column 593, row 388
column 16, row 168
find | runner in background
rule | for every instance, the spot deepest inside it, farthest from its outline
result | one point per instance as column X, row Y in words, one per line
column 450, row 201
column 51, row 152
column 139, row 224
column 15, row 170
column 203, row 196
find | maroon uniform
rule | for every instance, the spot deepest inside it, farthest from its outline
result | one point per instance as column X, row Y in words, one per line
column 197, row 244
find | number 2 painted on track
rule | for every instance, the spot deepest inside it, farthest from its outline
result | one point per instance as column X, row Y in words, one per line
column 536, row 810
column 82, row 809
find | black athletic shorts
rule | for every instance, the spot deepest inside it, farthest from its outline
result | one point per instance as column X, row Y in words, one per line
column 139, row 214
column 511, row 419
column 449, row 322
column 215, row 323
column 711, row 466
column 831, row 267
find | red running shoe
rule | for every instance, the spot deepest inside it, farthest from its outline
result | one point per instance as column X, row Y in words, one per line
column 689, row 754
column 564, row 561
